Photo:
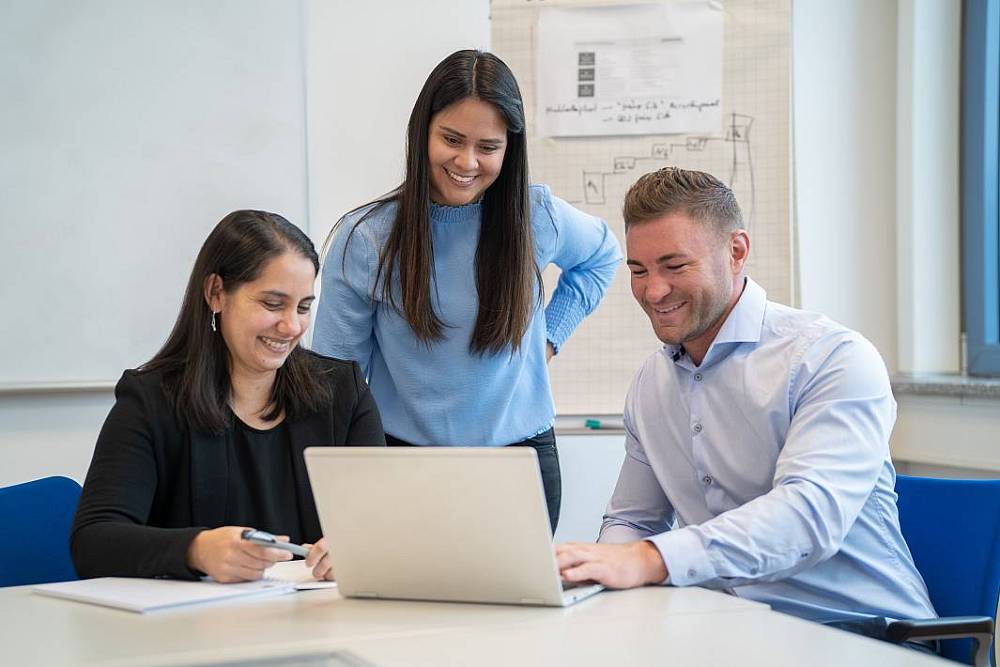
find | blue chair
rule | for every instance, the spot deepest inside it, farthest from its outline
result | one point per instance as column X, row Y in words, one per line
column 952, row 527
column 35, row 519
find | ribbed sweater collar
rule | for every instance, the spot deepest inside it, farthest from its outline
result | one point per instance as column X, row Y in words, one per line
column 452, row 214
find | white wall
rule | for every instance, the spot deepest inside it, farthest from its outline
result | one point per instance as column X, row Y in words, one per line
column 927, row 186
column 589, row 466
column 363, row 64
column 844, row 106
column 49, row 434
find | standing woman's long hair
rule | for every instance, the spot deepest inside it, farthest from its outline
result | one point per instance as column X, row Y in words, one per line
column 195, row 360
column 507, row 278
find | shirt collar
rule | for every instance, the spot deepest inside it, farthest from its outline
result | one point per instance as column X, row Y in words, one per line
column 746, row 320
column 743, row 325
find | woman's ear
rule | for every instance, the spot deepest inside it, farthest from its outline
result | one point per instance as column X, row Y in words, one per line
column 213, row 292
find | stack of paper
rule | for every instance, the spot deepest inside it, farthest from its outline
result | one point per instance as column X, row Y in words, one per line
column 145, row 595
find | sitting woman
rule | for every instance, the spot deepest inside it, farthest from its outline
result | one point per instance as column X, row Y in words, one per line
column 206, row 438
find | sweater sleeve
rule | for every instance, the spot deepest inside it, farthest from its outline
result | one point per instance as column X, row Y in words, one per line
column 109, row 536
column 588, row 254
column 345, row 318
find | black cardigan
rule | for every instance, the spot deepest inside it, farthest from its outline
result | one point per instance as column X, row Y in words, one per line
column 154, row 483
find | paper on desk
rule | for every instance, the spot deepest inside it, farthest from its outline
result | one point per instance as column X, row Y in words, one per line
column 296, row 572
column 629, row 69
column 144, row 595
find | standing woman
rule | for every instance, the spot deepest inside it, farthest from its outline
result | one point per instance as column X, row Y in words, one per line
column 206, row 439
column 436, row 290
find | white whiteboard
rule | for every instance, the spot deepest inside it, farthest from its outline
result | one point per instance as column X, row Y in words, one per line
column 127, row 131
column 750, row 152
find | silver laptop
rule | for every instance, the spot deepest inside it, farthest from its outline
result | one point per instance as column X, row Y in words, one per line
column 438, row 523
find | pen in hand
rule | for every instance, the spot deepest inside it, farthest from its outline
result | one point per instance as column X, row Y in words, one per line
column 266, row 539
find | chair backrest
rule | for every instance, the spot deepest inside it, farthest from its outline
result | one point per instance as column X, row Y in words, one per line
column 34, row 531
column 952, row 527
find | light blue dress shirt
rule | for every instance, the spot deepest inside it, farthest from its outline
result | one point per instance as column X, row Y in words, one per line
column 442, row 394
column 766, row 469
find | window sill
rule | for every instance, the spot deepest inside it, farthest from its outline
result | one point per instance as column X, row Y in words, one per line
column 942, row 384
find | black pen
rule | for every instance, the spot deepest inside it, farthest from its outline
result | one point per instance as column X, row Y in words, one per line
column 266, row 539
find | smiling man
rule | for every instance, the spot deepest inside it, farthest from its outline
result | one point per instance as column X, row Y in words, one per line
column 757, row 446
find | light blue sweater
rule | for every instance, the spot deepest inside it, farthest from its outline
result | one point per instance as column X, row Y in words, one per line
column 443, row 394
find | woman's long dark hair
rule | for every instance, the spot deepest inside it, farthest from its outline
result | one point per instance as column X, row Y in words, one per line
column 507, row 278
column 195, row 360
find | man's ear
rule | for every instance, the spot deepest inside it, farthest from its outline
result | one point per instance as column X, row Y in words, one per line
column 739, row 249
column 213, row 292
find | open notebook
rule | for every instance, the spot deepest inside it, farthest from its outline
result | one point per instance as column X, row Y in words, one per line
column 146, row 595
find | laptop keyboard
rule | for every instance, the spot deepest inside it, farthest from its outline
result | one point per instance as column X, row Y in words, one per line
column 569, row 585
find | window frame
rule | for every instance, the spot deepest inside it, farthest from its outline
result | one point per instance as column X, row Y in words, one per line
column 980, row 184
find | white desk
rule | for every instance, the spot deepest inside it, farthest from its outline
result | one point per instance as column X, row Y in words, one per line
column 650, row 626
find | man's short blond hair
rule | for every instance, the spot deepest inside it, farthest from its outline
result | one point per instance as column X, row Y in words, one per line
column 701, row 196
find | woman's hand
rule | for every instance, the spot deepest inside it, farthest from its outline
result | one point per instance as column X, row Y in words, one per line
column 225, row 556
column 319, row 560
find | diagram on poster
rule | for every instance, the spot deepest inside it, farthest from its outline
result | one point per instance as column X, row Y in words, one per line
column 746, row 145
column 733, row 143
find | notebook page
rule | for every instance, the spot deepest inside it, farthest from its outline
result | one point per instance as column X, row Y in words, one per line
column 296, row 572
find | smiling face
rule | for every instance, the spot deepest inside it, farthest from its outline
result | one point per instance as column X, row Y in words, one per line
column 262, row 321
column 687, row 276
column 466, row 143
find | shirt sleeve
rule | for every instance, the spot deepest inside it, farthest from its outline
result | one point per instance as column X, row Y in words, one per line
column 345, row 318
column 588, row 254
column 836, row 445
column 638, row 506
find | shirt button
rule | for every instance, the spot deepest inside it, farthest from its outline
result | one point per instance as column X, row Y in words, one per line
column 697, row 377
column 696, row 428
column 692, row 572
column 707, row 479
